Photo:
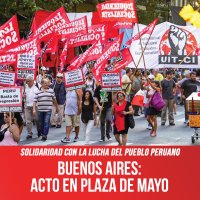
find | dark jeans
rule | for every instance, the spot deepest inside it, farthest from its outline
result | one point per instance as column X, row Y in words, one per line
column 186, row 113
column 44, row 122
column 105, row 120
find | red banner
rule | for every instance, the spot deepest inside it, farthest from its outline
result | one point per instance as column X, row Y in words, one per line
column 111, row 50
column 118, row 11
column 100, row 173
column 30, row 46
column 96, row 51
column 9, row 34
column 74, row 28
column 95, row 33
column 8, row 58
column 55, row 21
column 147, row 30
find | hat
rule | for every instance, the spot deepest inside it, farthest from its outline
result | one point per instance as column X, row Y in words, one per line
column 151, row 76
column 59, row 75
column 29, row 77
column 43, row 68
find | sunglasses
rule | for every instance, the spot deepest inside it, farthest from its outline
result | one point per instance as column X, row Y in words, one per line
column 6, row 116
column 59, row 77
column 120, row 95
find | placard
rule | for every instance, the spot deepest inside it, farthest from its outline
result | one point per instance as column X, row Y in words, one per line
column 11, row 109
column 23, row 73
column 7, row 78
column 26, row 61
column 111, row 81
column 74, row 79
column 11, row 97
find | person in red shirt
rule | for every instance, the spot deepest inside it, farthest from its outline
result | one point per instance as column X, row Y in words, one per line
column 121, row 109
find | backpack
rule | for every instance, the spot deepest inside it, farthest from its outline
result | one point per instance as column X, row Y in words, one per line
column 157, row 101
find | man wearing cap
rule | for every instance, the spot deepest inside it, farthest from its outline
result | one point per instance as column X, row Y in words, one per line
column 168, row 91
column 41, row 74
column 29, row 95
column 60, row 93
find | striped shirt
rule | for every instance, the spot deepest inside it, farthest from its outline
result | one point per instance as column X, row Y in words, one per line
column 45, row 100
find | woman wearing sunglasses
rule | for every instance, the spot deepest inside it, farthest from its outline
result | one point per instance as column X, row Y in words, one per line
column 11, row 131
column 121, row 109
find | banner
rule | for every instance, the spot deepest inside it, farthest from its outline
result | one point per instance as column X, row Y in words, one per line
column 8, row 58
column 111, row 81
column 111, row 50
column 169, row 46
column 9, row 34
column 95, row 33
column 95, row 52
column 26, row 61
column 10, row 97
column 118, row 11
column 7, row 78
column 74, row 28
column 147, row 30
column 55, row 21
column 23, row 73
column 74, row 79
column 30, row 46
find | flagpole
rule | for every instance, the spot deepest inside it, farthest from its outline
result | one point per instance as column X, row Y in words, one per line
column 144, row 50
column 141, row 47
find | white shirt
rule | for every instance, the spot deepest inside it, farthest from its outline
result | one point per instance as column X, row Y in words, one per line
column 30, row 95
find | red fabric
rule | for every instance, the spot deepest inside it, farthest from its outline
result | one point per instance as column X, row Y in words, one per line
column 119, row 116
column 39, row 17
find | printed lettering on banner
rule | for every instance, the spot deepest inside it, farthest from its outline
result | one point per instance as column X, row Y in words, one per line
column 26, row 61
column 74, row 28
column 111, row 81
column 74, row 79
column 170, row 46
column 95, row 33
column 23, row 73
column 8, row 58
column 117, row 11
column 9, row 34
column 11, row 97
column 7, row 78
column 54, row 22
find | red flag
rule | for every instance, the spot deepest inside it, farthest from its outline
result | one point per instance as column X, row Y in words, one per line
column 9, row 34
column 95, row 33
column 63, row 56
column 39, row 17
column 55, row 21
column 118, row 11
column 96, row 51
column 138, row 99
column 111, row 50
column 147, row 30
column 74, row 28
column 82, row 58
column 30, row 46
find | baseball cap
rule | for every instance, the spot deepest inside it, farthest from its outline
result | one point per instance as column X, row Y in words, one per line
column 59, row 75
column 43, row 68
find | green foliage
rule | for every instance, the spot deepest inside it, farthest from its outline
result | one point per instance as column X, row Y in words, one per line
column 26, row 8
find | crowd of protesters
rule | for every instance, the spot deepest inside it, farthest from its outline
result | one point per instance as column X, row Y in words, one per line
column 46, row 102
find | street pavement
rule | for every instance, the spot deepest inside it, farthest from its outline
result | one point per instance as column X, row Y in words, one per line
column 180, row 135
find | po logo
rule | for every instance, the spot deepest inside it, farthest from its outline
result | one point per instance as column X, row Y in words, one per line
column 178, row 46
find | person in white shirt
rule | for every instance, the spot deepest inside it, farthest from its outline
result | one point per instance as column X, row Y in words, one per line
column 29, row 95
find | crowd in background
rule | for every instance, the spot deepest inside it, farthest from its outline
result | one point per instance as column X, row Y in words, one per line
column 47, row 104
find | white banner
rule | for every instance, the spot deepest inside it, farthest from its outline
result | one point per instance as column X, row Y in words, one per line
column 11, row 97
column 111, row 81
column 74, row 79
column 170, row 46
column 26, row 61
column 7, row 78
column 23, row 73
